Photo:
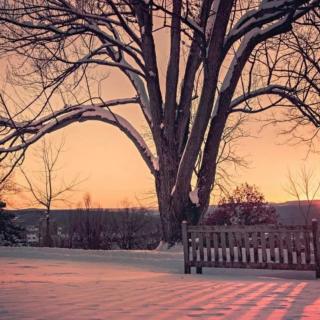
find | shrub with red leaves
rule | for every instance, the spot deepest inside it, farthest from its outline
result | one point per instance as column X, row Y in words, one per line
column 245, row 206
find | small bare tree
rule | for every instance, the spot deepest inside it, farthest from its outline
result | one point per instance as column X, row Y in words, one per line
column 89, row 227
column 87, row 201
column 304, row 187
column 45, row 186
column 129, row 225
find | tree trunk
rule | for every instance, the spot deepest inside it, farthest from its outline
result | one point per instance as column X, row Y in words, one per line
column 48, row 239
column 171, row 211
column 174, row 205
column 170, row 221
column 208, row 169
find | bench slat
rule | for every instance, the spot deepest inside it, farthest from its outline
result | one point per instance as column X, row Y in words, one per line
column 208, row 245
column 216, row 246
column 193, row 245
column 223, row 246
column 247, row 246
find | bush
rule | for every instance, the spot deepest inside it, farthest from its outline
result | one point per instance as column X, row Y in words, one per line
column 245, row 206
column 10, row 233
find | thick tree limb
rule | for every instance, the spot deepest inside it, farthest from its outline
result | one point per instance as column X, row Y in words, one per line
column 33, row 131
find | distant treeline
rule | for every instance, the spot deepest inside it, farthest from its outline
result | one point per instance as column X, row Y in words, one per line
column 125, row 229
column 289, row 213
column 129, row 228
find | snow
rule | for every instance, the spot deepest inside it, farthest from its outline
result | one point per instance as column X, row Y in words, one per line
column 123, row 124
column 83, row 113
column 243, row 46
column 165, row 247
column 194, row 197
column 155, row 162
column 173, row 190
column 140, row 87
column 52, row 283
column 79, row 113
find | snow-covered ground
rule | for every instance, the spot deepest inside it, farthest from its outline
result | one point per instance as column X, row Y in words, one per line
column 50, row 283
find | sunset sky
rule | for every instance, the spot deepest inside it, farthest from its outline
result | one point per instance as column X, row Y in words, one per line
column 113, row 171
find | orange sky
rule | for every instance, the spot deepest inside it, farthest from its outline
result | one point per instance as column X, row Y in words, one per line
column 114, row 171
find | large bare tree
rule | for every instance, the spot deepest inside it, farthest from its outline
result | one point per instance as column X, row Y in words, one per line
column 224, row 57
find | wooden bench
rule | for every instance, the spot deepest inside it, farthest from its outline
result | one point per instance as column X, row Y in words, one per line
column 257, row 247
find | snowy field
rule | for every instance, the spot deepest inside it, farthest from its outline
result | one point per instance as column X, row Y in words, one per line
column 42, row 283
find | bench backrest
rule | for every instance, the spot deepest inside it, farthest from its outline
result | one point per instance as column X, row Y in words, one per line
column 258, row 246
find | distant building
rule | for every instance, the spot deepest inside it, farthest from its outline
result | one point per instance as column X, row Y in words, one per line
column 32, row 235
column 32, row 239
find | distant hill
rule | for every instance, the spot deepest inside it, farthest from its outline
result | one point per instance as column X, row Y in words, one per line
column 303, row 202
column 28, row 217
column 289, row 213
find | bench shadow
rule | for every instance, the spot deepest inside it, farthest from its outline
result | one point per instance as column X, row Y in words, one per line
column 259, row 300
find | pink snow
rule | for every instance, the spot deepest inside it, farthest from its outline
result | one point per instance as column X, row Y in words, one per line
column 50, row 283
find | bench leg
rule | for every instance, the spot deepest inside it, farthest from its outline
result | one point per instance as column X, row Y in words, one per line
column 187, row 269
column 199, row 270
